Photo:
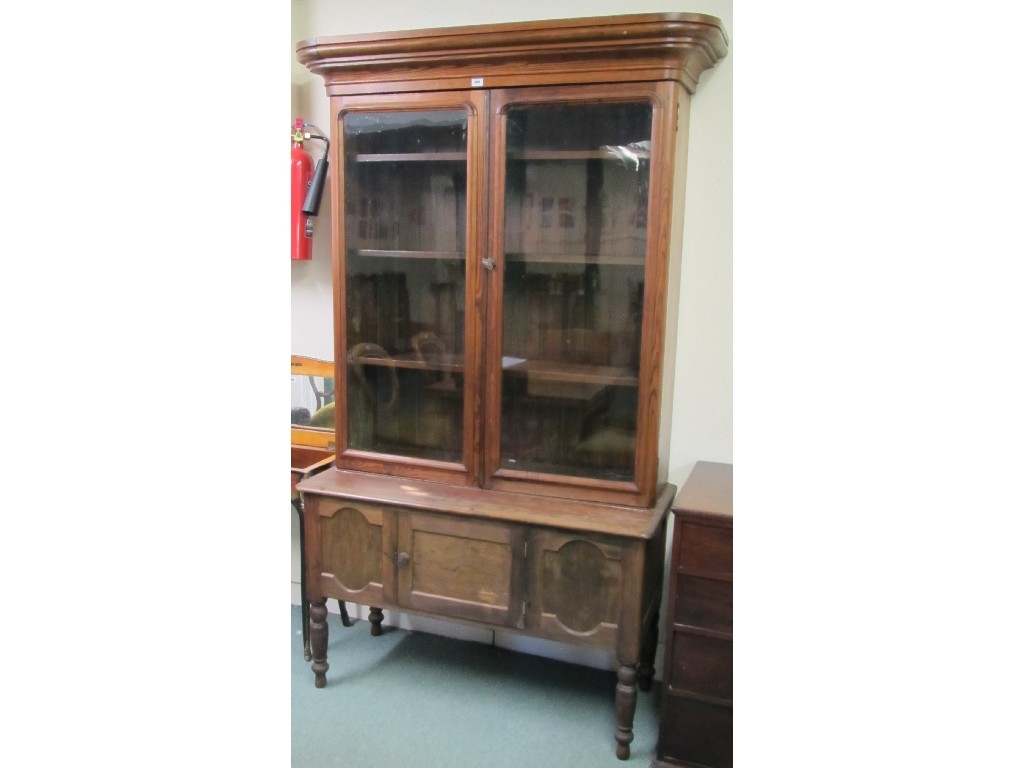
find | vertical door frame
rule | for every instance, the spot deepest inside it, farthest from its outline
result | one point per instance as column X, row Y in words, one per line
column 467, row 471
column 642, row 491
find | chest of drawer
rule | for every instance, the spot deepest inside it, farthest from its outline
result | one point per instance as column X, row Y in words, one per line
column 696, row 710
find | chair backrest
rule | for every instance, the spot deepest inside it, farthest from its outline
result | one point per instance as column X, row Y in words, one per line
column 320, row 375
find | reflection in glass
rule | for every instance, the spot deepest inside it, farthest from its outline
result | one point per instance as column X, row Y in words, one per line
column 576, row 195
column 405, row 281
column 312, row 402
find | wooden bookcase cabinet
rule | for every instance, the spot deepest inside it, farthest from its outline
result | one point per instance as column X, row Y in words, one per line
column 506, row 200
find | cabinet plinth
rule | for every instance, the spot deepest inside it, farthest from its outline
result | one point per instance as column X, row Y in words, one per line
column 503, row 226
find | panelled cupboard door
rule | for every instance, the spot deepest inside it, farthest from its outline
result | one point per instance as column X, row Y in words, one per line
column 582, row 177
column 575, row 587
column 409, row 172
column 347, row 557
column 465, row 569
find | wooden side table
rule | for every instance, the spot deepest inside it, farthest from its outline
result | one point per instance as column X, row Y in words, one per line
column 307, row 461
column 696, row 707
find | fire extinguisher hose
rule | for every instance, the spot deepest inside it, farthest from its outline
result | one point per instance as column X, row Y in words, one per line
column 311, row 205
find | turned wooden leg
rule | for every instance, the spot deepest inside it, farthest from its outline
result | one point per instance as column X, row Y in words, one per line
column 318, row 640
column 645, row 674
column 625, row 707
column 345, row 620
column 297, row 504
column 376, row 617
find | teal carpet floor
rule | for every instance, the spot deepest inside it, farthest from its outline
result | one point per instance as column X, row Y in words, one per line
column 414, row 700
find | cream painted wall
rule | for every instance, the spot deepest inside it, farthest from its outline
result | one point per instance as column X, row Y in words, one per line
column 701, row 424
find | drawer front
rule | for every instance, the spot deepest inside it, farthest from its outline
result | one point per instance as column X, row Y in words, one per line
column 704, row 603
column 704, row 549
column 462, row 569
column 350, row 553
column 694, row 732
column 702, row 665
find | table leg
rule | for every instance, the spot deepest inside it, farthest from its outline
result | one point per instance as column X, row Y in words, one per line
column 625, row 708
column 645, row 674
column 376, row 617
column 318, row 640
column 345, row 620
column 297, row 504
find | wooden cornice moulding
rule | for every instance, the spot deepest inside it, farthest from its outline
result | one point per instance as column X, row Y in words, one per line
column 675, row 46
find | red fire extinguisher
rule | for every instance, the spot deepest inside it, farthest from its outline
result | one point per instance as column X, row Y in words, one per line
column 307, row 189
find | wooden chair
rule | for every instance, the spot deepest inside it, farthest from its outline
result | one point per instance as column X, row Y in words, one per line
column 312, row 452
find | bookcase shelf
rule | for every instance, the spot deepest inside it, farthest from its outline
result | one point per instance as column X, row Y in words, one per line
column 408, row 157
column 380, row 253
column 569, row 258
column 610, row 153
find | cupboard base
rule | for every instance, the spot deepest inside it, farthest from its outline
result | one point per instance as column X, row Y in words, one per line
column 581, row 573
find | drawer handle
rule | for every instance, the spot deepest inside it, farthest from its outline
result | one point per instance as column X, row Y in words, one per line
column 403, row 559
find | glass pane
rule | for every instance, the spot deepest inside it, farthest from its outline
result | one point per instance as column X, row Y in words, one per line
column 405, row 214
column 577, row 182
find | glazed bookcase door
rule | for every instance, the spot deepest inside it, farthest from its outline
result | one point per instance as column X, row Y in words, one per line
column 408, row 331
column 577, row 243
